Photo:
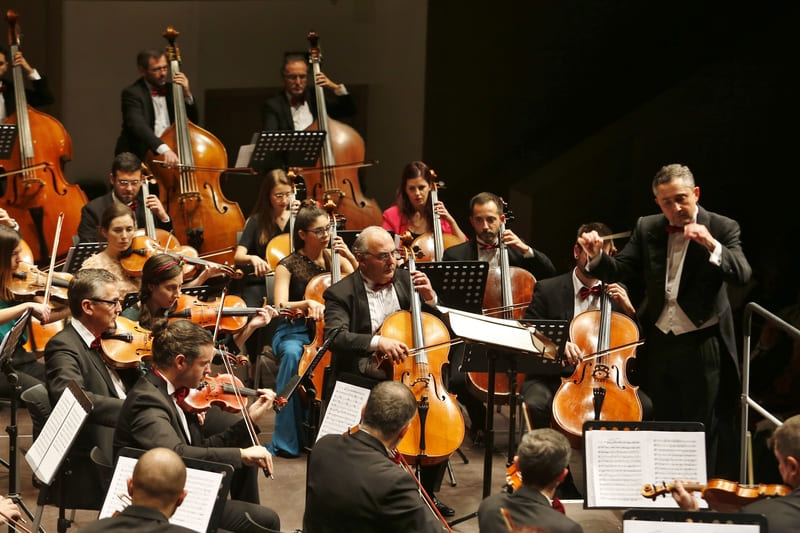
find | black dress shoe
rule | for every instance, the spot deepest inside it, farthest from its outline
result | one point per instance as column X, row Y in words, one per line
column 443, row 509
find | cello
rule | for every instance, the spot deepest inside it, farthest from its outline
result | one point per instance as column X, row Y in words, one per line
column 598, row 389
column 201, row 215
column 37, row 182
column 431, row 246
column 437, row 429
column 345, row 145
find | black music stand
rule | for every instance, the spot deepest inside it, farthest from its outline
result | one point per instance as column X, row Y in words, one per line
column 291, row 148
column 459, row 284
column 8, row 138
column 80, row 253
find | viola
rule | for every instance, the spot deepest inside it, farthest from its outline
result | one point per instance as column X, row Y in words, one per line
column 219, row 391
column 431, row 246
column 721, row 494
column 598, row 389
column 343, row 145
column 437, row 429
column 201, row 215
column 126, row 346
column 234, row 312
column 28, row 281
column 37, row 182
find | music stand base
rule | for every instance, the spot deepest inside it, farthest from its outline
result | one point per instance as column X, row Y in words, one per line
column 464, row 518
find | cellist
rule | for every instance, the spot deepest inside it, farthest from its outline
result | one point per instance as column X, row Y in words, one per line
column 38, row 95
column 359, row 304
column 148, row 109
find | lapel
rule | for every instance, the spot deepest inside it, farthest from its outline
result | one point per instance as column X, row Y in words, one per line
column 95, row 359
column 566, row 292
column 161, row 385
column 147, row 98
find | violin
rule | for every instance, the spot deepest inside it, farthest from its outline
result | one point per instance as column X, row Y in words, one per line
column 721, row 494
column 431, row 246
column 28, row 281
column 218, row 390
column 126, row 346
column 234, row 311
column 598, row 389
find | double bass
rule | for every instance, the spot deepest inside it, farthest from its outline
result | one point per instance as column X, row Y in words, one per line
column 36, row 182
column 202, row 216
column 342, row 153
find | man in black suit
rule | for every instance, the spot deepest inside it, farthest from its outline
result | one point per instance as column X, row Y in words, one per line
column 126, row 188
column 156, row 489
column 358, row 305
column 74, row 354
column 542, row 458
column 153, row 416
column 353, row 484
column 39, row 95
column 296, row 107
column 148, row 108
column 686, row 256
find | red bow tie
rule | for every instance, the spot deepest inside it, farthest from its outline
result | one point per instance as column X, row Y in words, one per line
column 159, row 91
column 180, row 395
column 584, row 292
column 95, row 345
column 133, row 205
column 673, row 229
column 382, row 286
column 558, row 506
column 488, row 246
column 296, row 101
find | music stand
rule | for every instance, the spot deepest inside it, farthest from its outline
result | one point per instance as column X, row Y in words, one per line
column 80, row 253
column 661, row 521
column 292, row 148
column 459, row 284
column 8, row 138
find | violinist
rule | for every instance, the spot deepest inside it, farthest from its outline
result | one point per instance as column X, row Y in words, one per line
column 126, row 187
column 73, row 354
column 542, row 458
column 296, row 107
column 359, row 304
column 312, row 257
column 38, row 96
column 782, row 513
column 413, row 210
column 148, row 108
column 117, row 225
column 353, row 484
column 686, row 256
column 152, row 417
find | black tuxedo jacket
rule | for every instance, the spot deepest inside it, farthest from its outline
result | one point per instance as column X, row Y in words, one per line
column 92, row 213
column 40, row 95
column 354, row 486
column 139, row 118
column 277, row 115
column 539, row 265
column 135, row 518
column 702, row 293
column 528, row 507
column 783, row 514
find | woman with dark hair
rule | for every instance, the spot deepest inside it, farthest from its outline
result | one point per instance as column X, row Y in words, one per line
column 412, row 210
column 312, row 257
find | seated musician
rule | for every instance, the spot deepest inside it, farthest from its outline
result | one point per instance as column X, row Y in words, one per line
column 74, row 354
column 542, row 458
column 359, row 303
column 486, row 217
column 310, row 258
column 413, row 210
column 117, row 226
column 126, row 188
column 153, row 416
column 353, row 484
column 40, row 93
column 783, row 513
column 8, row 510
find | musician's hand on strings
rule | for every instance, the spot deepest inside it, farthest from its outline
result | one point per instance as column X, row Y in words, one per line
column 295, row 207
column 171, row 159
column 324, row 81
column 342, row 249
column 619, row 296
column 392, row 349
column 591, row 243
column 683, row 498
column 181, row 79
column 573, row 353
column 423, row 286
column 155, row 205
column 262, row 404
column 260, row 267
column 511, row 240
column 257, row 456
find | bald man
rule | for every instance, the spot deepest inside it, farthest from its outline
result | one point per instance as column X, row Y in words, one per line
column 156, row 490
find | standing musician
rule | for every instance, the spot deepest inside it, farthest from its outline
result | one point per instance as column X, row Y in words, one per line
column 39, row 96
column 74, row 354
column 156, row 488
column 359, row 304
column 353, row 484
column 296, row 107
column 412, row 210
column 148, row 108
column 542, row 458
column 686, row 256
column 126, row 186
column 153, row 416
column 486, row 217
column 312, row 257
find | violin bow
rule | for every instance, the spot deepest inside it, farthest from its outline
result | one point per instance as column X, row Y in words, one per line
column 50, row 272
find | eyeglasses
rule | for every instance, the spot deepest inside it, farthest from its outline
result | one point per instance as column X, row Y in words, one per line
column 319, row 232
column 282, row 195
column 132, row 183
column 112, row 303
column 158, row 69
column 384, row 256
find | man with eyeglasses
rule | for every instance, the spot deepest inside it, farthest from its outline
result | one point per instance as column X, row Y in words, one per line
column 74, row 354
column 148, row 108
column 126, row 188
column 296, row 107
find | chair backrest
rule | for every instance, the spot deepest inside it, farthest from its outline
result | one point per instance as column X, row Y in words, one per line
column 38, row 403
column 104, row 466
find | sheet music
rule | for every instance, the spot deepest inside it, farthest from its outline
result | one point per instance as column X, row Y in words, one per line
column 344, row 409
column 59, row 432
column 652, row 526
column 245, row 155
column 619, row 463
column 202, row 487
column 490, row 330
